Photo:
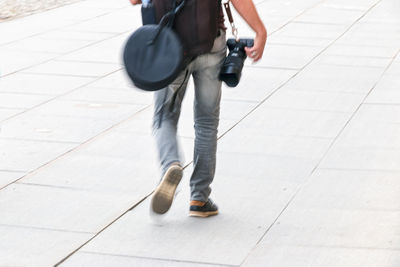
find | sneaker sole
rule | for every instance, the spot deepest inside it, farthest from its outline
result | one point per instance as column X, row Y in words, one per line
column 165, row 191
column 203, row 214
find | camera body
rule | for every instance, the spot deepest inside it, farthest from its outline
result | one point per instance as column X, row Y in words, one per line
column 231, row 70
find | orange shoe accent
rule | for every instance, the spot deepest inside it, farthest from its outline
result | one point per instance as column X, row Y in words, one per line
column 197, row 203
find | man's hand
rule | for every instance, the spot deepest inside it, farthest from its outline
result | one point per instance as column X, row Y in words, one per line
column 135, row 2
column 249, row 13
column 256, row 52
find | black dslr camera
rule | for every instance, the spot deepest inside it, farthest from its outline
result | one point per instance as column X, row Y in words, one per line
column 232, row 68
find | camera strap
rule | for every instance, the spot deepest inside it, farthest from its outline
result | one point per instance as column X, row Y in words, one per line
column 230, row 17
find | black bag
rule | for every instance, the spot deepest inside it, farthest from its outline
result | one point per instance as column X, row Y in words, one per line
column 153, row 54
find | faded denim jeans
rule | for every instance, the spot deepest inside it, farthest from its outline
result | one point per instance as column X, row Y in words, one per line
column 206, row 107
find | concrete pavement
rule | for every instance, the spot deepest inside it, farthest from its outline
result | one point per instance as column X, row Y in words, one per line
column 308, row 170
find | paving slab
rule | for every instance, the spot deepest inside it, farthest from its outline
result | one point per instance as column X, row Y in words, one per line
column 123, row 20
column 279, row 168
column 331, row 78
column 270, row 255
column 374, row 126
column 364, row 50
column 27, row 155
column 110, row 95
column 174, row 239
column 394, row 68
column 100, row 174
column 313, row 30
column 329, row 101
column 21, row 246
column 83, row 109
column 106, row 51
column 350, row 190
column 327, row 15
column 347, row 60
column 54, row 128
column 294, row 122
column 386, row 91
column 278, row 38
column 9, row 177
column 368, row 158
column 6, row 113
column 41, row 84
column 118, row 79
column 74, row 68
column 33, row 206
column 257, row 83
column 21, row 101
column 38, row 44
column 369, row 142
column 348, row 228
column 96, row 259
column 13, row 61
column 287, row 56
column 60, row 34
column 351, row 5
column 309, row 148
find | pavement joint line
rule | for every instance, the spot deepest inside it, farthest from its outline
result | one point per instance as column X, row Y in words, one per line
column 355, row 66
column 89, row 61
column 13, row 171
column 44, row 229
column 337, row 247
column 11, row 108
column 325, row 91
column 158, row 259
column 334, row 139
column 65, row 53
column 360, row 170
column 79, row 146
column 295, row 45
column 97, row 77
column 380, row 104
column 269, row 106
column 296, row 16
column 102, row 230
column 272, row 68
column 64, row 75
column 359, row 56
column 38, row 140
column 71, row 188
column 23, row 93
column 64, row 26
column 59, row 96
column 318, row 23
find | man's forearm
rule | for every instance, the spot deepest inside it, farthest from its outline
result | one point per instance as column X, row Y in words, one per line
column 248, row 12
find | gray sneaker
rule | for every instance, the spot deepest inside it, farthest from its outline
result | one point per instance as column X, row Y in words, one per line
column 165, row 191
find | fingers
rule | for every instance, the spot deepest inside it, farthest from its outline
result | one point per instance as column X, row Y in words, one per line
column 254, row 53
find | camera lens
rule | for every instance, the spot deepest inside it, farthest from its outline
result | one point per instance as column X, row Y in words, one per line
column 231, row 70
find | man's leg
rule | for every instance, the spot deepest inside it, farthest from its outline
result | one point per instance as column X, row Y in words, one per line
column 167, row 109
column 165, row 120
column 206, row 116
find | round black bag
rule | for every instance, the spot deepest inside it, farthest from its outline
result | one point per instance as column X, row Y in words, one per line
column 153, row 55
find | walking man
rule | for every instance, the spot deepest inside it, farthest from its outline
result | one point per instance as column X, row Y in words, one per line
column 205, row 69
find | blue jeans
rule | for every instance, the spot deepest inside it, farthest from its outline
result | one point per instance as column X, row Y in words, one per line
column 167, row 108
